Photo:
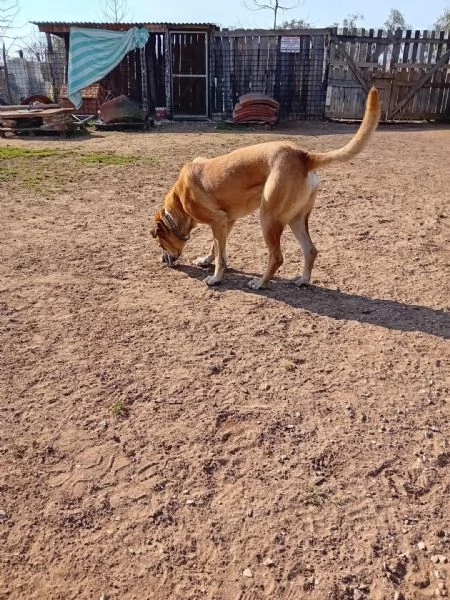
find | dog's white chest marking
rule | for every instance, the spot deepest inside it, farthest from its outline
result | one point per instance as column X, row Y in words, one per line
column 314, row 180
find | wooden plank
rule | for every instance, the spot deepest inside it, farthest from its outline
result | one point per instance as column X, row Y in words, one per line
column 435, row 88
column 360, row 64
column 24, row 113
column 415, row 47
column 406, row 46
column 440, row 45
column 396, row 47
column 416, row 66
column 422, row 48
column 353, row 48
column 370, row 47
column 431, row 49
column 444, row 74
column 379, row 48
column 387, row 53
column 26, row 107
column 385, row 40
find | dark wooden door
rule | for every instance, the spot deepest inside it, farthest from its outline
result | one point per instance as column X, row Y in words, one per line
column 189, row 54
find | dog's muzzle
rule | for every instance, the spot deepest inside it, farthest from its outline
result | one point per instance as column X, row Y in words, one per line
column 168, row 260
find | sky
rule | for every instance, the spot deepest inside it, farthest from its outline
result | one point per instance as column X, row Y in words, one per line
column 230, row 13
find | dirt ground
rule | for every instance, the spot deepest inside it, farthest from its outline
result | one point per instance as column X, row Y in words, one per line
column 162, row 440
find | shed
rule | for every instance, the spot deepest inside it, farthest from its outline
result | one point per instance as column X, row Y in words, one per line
column 172, row 71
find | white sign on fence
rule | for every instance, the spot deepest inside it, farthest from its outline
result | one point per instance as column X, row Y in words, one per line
column 290, row 43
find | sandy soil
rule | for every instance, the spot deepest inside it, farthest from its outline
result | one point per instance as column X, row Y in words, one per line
column 162, row 440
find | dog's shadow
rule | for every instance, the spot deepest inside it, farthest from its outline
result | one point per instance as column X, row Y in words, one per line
column 339, row 305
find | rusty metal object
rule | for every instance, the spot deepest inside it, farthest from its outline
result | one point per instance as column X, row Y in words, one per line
column 121, row 110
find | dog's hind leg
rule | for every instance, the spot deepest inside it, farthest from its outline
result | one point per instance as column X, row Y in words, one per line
column 272, row 231
column 205, row 261
column 299, row 226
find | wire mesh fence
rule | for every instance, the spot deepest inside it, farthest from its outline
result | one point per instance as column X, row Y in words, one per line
column 37, row 69
column 289, row 68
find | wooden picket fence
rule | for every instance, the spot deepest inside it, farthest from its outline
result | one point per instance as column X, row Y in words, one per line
column 411, row 70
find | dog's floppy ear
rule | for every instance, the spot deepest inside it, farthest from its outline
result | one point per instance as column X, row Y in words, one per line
column 157, row 229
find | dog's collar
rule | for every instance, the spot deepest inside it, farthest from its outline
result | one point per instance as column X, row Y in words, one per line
column 171, row 224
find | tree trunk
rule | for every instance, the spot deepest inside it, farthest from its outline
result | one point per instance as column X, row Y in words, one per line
column 5, row 67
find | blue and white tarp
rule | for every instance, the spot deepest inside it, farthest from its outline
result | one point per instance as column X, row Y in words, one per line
column 93, row 53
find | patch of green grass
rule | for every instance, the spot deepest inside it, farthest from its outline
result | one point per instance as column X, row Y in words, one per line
column 49, row 170
column 17, row 153
column 119, row 408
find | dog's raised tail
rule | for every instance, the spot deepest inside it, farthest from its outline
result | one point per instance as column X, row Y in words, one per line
column 359, row 140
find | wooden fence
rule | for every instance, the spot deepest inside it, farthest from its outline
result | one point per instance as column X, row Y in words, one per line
column 411, row 70
column 313, row 73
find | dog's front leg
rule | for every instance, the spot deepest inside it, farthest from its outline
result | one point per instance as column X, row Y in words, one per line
column 205, row 261
column 219, row 230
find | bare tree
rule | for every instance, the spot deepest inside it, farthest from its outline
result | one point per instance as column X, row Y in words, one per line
column 395, row 20
column 114, row 11
column 350, row 21
column 274, row 5
column 295, row 24
column 9, row 9
column 443, row 22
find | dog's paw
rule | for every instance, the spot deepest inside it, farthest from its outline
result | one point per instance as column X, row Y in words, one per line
column 256, row 284
column 203, row 261
column 300, row 282
column 211, row 280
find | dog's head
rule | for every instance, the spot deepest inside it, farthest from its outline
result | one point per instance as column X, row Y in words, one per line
column 166, row 232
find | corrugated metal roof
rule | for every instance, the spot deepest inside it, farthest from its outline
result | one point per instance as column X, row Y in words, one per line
column 94, row 24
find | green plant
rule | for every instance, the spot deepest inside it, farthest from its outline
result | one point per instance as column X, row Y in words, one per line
column 15, row 153
column 119, row 408
column 314, row 496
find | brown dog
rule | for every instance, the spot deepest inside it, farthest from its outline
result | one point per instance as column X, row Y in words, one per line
column 276, row 177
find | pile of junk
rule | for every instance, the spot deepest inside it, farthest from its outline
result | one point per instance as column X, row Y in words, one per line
column 256, row 108
column 122, row 113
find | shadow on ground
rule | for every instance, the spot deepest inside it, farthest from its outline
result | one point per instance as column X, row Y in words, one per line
column 340, row 305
